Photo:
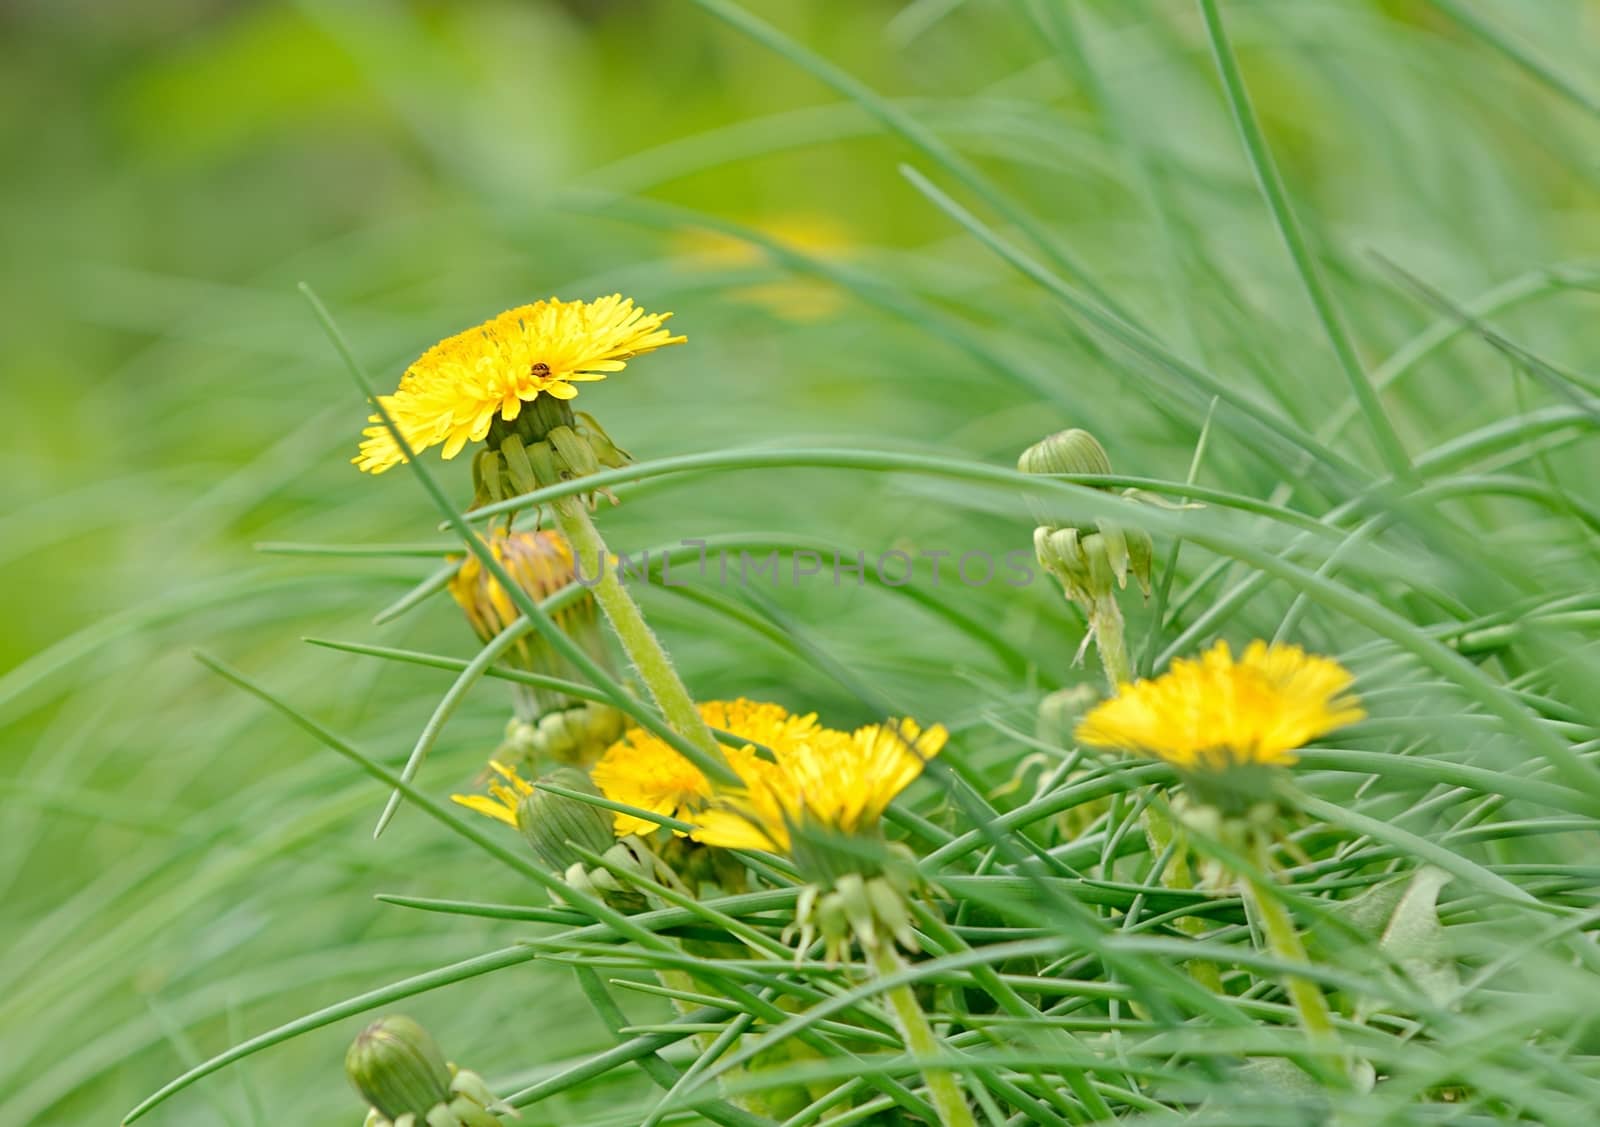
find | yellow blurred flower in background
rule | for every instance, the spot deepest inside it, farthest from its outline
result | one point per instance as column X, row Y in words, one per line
column 796, row 298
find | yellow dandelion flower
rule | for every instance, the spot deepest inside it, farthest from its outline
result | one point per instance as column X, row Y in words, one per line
column 1213, row 713
column 454, row 392
column 642, row 770
column 833, row 781
column 505, row 795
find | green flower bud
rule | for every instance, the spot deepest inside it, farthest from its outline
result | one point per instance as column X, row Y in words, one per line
column 398, row 1068
column 554, row 823
column 1069, row 451
column 1093, row 558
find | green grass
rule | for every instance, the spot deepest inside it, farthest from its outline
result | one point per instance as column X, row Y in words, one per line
column 1354, row 244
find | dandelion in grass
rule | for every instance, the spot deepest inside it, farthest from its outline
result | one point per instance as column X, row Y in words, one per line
column 1230, row 726
column 644, row 771
column 828, row 783
column 454, row 392
column 509, row 383
column 822, row 806
column 1215, row 712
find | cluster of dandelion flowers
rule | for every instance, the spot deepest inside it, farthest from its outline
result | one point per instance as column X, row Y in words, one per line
column 792, row 772
column 813, row 793
column 456, row 390
column 1217, row 716
column 643, row 771
column 829, row 784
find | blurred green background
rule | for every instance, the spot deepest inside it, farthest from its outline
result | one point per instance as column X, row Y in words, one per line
column 181, row 869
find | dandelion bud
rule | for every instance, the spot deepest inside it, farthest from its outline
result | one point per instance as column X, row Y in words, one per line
column 540, row 564
column 1092, row 561
column 553, row 823
column 1069, row 451
column 1088, row 559
column 1089, row 565
column 398, row 1069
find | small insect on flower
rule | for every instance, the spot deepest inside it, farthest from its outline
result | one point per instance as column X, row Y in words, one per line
column 1214, row 713
column 457, row 389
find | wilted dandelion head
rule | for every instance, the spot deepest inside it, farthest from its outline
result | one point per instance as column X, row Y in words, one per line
column 453, row 393
column 1211, row 713
column 539, row 562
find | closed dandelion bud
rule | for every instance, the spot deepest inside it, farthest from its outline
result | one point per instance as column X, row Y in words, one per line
column 1072, row 451
column 1096, row 556
column 554, row 823
column 540, row 564
column 1066, row 452
column 398, row 1068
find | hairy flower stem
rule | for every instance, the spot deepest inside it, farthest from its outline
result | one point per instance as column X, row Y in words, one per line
column 1105, row 620
column 1284, row 942
column 943, row 1089
column 655, row 667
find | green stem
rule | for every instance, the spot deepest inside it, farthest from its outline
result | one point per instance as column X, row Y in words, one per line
column 1159, row 831
column 1284, row 941
column 655, row 668
column 1105, row 618
column 943, row 1089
